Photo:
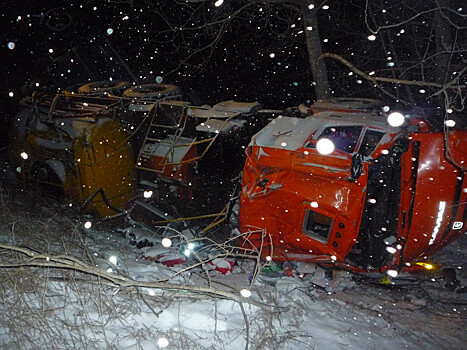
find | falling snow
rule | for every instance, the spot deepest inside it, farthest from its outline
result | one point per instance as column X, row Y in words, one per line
column 218, row 54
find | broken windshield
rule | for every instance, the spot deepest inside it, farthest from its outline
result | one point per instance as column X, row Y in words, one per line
column 370, row 141
column 344, row 138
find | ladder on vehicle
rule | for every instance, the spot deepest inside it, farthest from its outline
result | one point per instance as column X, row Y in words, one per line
column 174, row 131
column 173, row 142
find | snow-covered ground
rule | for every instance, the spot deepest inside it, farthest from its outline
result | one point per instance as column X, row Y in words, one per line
column 49, row 308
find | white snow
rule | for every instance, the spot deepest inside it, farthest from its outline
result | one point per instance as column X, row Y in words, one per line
column 220, row 126
column 200, row 112
column 174, row 148
column 52, row 309
column 286, row 133
column 234, row 106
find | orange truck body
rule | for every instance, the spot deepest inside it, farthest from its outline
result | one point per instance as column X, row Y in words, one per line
column 401, row 202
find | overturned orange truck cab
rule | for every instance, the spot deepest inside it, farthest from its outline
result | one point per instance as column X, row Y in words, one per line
column 344, row 187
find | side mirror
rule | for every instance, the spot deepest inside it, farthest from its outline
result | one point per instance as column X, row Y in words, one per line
column 356, row 166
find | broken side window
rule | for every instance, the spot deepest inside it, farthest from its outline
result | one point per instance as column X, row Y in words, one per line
column 345, row 138
column 317, row 226
column 370, row 141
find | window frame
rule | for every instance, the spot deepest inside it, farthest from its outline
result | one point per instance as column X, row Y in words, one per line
column 361, row 143
column 356, row 145
column 314, row 235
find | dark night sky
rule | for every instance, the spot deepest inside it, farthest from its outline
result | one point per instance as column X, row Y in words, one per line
column 242, row 67
column 261, row 57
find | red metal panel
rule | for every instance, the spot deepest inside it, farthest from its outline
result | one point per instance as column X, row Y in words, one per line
column 275, row 198
column 437, row 182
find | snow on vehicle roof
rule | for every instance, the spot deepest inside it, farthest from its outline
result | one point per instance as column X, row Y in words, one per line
column 225, row 109
column 291, row 133
column 372, row 120
column 220, row 126
column 352, row 105
column 173, row 148
column 200, row 112
column 240, row 107
column 287, row 133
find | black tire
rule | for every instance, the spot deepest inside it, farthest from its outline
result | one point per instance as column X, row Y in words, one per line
column 153, row 91
column 48, row 179
column 57, row 20
column 103, row 87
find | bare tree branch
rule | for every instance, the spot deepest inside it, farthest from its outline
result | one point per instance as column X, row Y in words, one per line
column 418, row 14
column 374, row 79
column 34, row 259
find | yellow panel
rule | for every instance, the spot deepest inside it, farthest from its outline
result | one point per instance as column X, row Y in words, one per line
column 105, row 161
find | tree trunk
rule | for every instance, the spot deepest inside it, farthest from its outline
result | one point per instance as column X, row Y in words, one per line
column 443, row 42
column 313, row 44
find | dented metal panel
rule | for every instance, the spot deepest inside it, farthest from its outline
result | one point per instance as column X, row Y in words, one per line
column 381, row 199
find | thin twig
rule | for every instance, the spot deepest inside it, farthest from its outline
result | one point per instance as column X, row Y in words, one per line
column 247, row 326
